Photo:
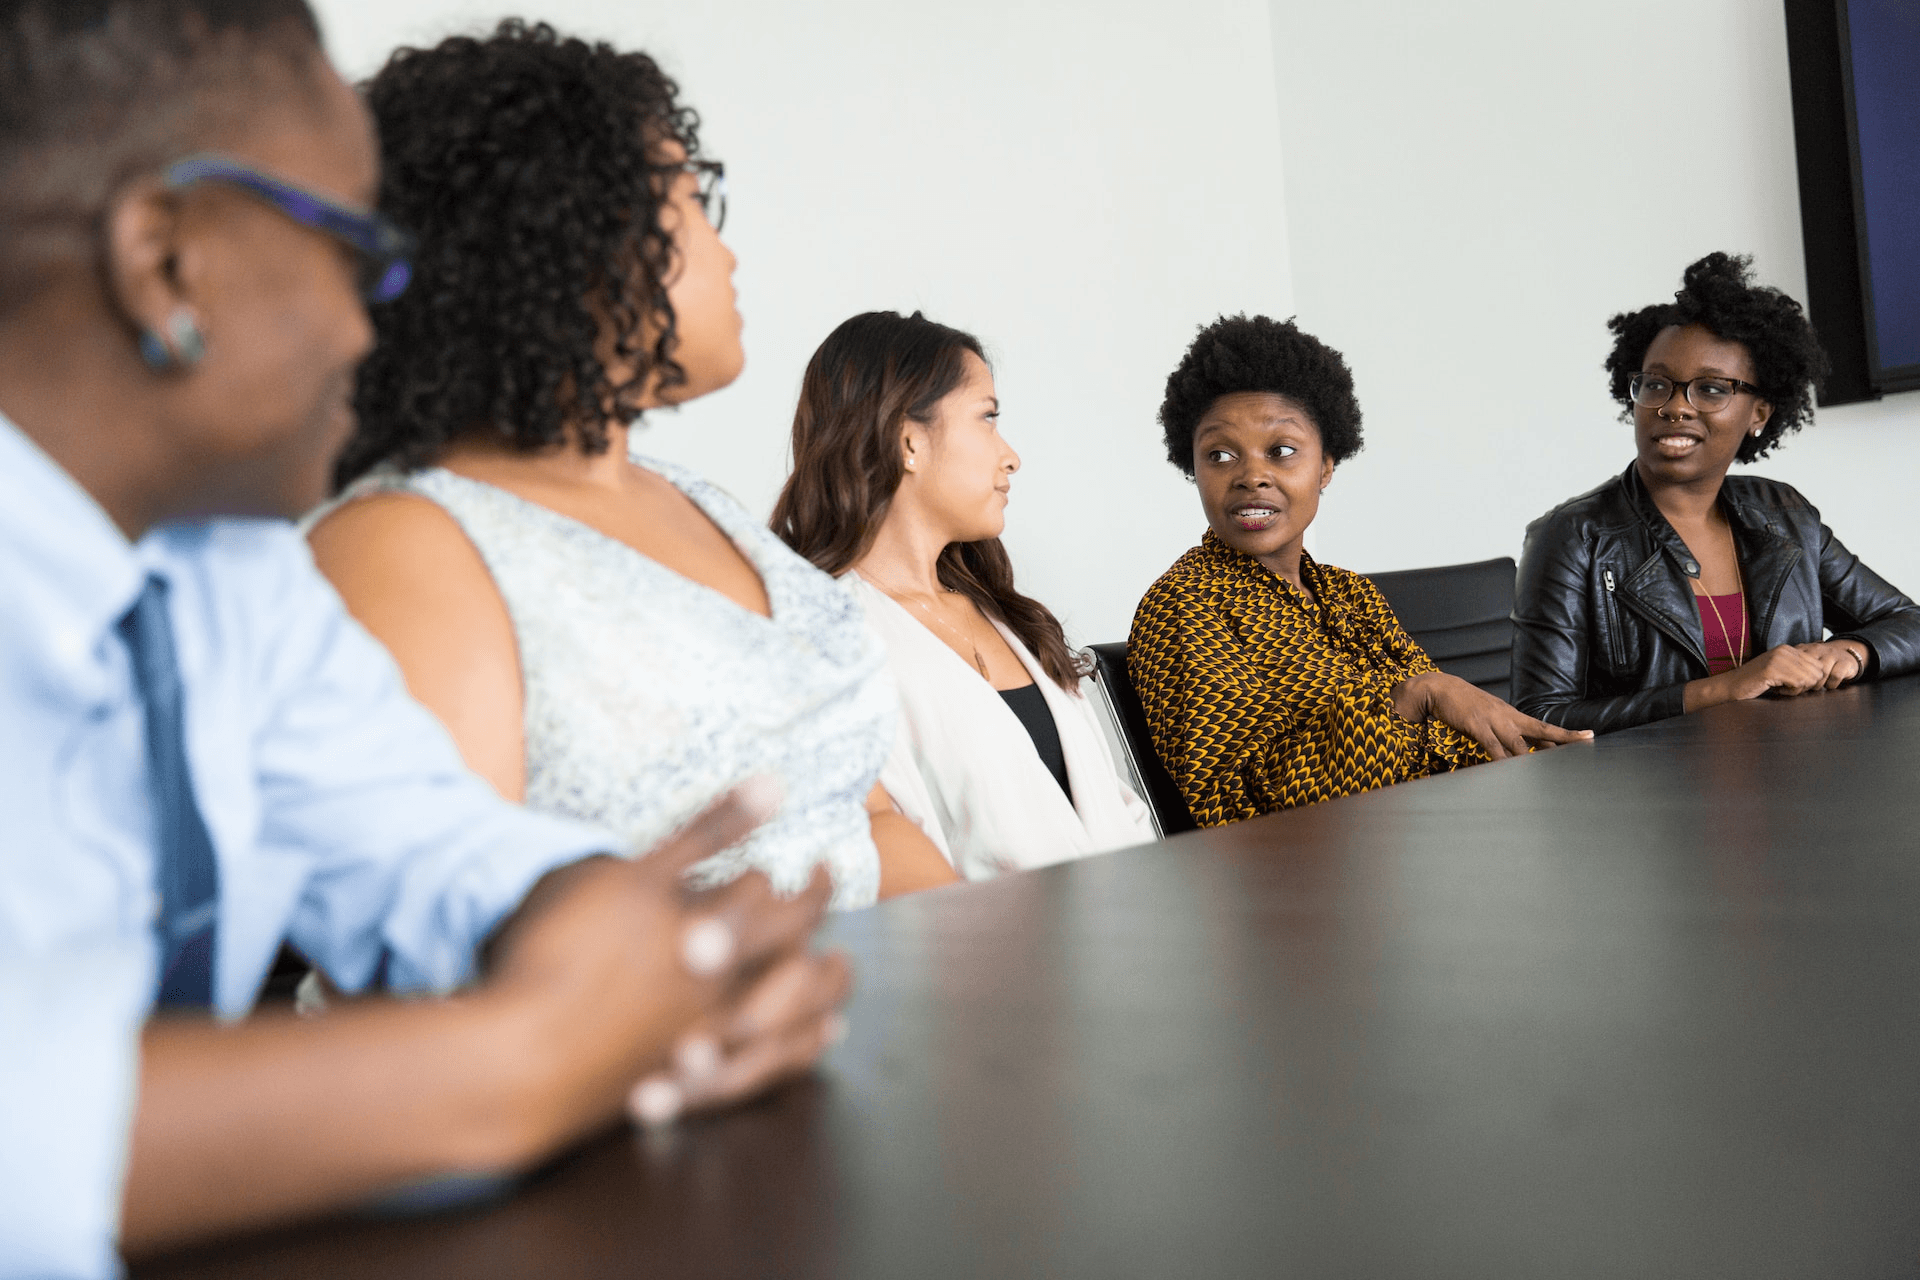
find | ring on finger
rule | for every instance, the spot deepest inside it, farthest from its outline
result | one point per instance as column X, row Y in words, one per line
column 706, row 947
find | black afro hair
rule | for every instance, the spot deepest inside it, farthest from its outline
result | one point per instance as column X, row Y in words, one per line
column 1254, row 353
column 1717, row 294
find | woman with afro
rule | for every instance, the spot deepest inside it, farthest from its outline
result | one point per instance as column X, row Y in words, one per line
column 1675, row 586
column 1271, row 680
column 606, row 637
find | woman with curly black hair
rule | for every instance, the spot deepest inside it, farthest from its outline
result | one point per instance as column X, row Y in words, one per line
column 1675, row 586
column 605, row 636
column 1271, row 680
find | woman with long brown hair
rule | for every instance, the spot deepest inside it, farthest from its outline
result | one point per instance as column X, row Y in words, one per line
column 900, row 485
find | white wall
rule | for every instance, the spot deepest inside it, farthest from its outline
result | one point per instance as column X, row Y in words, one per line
column 1084, row 183
column 1465, row 213
column 1079, row 184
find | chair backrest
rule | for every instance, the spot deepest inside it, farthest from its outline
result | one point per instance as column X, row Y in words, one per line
column 1162, row 796
column 1461, row 614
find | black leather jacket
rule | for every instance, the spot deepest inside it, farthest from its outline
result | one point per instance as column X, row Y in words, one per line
column 1606, row 632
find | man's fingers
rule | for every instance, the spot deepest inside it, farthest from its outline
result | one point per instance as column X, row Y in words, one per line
column 799, row 990
column 702, row 1076
column 744, row 924
column 796, row 993
column 764, row 1063
column 721, row 825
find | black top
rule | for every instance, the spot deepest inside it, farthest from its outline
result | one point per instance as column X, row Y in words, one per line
column 1606, row 633
column 1030, row 705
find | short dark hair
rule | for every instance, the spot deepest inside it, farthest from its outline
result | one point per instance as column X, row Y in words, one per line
column 531, row 169
column 1717, row 293
column 96, row 92
column 1255, row 353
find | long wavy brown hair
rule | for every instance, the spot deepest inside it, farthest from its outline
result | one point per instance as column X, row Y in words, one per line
column 873, row 374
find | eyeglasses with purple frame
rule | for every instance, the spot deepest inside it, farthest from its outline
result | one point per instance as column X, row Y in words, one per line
column 385, row 250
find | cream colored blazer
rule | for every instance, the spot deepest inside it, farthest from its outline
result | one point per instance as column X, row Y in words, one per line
column 964, row 769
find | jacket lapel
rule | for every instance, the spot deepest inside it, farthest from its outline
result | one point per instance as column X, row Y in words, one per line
column 1648, row 591
column 1767, row 559
column 1657, row 588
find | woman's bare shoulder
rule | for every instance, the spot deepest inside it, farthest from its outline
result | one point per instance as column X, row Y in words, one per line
column 392, row 530
column 405, row 568
column 387, row 518
column 401, row 552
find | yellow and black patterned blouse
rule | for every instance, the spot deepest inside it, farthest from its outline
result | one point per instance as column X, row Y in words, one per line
column 1259, row 699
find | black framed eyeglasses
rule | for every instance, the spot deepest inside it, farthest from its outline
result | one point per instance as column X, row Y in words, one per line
column 711, row 193
column 1653, row 390
column 385, row 250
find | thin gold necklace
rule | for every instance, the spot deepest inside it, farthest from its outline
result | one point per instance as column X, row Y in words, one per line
column 980, row 664
column 1741, row 578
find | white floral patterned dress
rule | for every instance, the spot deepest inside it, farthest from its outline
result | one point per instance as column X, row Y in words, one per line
column 648, row 694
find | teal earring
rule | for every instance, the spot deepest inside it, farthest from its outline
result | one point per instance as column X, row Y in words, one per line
column 182, row 348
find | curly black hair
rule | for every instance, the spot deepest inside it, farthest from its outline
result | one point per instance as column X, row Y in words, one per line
column 533, row 169
column 1254, row 353
column 1717, row 293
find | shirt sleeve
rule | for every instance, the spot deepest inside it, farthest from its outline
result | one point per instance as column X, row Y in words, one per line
column 69, row 1055
column 1444, row 747
column 904, row 784
column 1558, row 636
column 1858, row 604
column 411, row 859
column 1210, row 714
column 1402, row 657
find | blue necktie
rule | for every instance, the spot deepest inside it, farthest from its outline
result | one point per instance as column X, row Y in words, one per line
column 189, row 881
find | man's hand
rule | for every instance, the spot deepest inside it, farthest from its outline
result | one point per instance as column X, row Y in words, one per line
column 606, row 968
column 777, row 1029
column 639, row 980
column 1500, row 730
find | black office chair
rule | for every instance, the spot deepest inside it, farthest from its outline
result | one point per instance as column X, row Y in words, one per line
column 1162, row 796
column 1461, row 614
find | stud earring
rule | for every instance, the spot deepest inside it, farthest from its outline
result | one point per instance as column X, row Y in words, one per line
column 182, row 348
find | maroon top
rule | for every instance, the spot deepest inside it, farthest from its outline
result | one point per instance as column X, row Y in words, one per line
column 1723, row 645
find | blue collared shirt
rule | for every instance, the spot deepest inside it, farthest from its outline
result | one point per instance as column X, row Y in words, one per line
column 342, row 818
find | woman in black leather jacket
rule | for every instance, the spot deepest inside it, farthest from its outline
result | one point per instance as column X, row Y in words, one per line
column 1674, row 586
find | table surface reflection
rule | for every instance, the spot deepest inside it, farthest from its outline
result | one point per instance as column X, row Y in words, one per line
column 1649, row 1006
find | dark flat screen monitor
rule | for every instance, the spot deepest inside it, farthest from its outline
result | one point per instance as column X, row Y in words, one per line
column 1855, row 70
column 1881, row 74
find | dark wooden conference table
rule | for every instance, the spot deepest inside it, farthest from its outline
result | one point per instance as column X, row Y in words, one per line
column 1645, row 1007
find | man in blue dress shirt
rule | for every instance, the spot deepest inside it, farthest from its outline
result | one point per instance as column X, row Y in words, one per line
column 201, row 755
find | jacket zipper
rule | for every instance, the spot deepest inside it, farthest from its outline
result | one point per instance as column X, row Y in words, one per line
column 1613, row 622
